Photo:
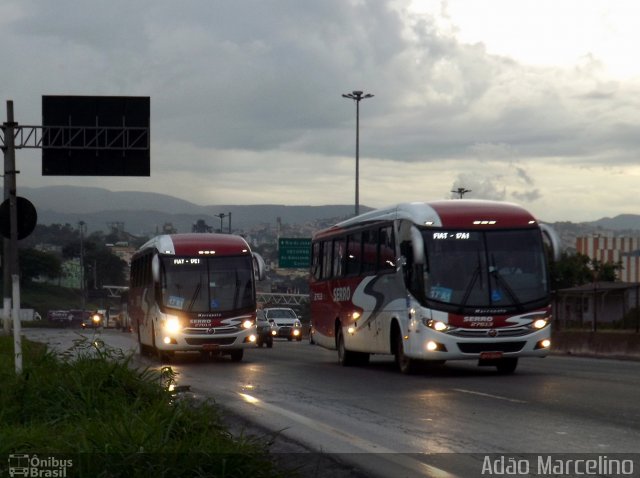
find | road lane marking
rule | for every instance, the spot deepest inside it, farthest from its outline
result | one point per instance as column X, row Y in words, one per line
column 423, row 469
column 489, row 395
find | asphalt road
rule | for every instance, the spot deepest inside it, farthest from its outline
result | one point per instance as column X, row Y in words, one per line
column 443, row 422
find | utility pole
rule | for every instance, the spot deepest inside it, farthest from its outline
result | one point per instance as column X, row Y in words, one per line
column 11, row 277
column 81, row 229
column 357, row 96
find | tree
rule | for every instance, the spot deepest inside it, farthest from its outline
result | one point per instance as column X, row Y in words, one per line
column 577, row 269
column 35, row 263
column 103, row 267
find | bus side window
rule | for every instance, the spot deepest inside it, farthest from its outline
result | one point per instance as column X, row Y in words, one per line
column 369, row 251
column 338, row 257
column 354, row 254
column 387, row 257
column 316, row 260
column 327, row 255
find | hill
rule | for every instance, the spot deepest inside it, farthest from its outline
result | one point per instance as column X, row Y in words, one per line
column 145, row 213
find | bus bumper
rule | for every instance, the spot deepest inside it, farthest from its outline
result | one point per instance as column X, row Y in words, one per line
column 203, row 340
column 446, row 346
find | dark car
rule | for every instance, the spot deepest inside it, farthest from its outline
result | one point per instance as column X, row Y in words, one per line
column 266, row 331
column 95, row 320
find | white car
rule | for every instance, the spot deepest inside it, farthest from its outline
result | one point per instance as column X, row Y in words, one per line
column 286, row 322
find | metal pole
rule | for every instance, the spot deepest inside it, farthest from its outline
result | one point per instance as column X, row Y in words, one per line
column 11, row 261
column 229, row 222
column 83, row 298
column 358, row 156
column 357, row 96
column 6, row 242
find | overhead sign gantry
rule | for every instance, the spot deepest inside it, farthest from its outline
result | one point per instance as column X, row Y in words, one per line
column 80, row 136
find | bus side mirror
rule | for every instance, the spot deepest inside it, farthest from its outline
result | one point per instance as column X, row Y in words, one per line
column 155, row 269
column 553, row 240
column 417, row 243
column 259, row 266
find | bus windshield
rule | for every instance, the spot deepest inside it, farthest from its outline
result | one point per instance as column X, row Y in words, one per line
column 207, row 284
column 484, row 269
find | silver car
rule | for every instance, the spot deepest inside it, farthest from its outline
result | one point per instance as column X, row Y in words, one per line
column 286, row 322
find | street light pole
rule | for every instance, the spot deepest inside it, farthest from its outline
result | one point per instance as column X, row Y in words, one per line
column 461, row 192
column 357, row 96
column 81, row 227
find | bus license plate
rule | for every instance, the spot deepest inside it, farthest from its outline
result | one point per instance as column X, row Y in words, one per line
column 209, row 347
column 490, row 355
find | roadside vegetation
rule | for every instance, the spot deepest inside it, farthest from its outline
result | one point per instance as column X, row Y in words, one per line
column 111, row 420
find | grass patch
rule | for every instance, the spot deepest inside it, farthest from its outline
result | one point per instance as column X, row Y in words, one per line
column 114, row 420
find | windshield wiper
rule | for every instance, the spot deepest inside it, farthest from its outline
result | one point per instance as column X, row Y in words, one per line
column 469, row 288
column 505, row 285
column 196, row 293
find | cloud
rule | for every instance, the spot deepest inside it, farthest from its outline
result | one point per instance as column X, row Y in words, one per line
column 246, row 101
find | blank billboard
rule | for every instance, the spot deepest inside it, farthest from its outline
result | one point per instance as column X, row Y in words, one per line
column 96, row 136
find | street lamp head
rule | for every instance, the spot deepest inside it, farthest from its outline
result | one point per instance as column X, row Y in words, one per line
column 357, row 95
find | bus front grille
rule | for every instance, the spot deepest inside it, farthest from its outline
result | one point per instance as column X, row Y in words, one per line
column 491, row 347
column 499, row 332
column 210, row 340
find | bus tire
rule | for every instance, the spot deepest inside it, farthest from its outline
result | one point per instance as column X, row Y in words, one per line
column 236, row 355
column 163, row 356
column 507, row 365
column 346, row 358
column 406, row 365
column 144, row 350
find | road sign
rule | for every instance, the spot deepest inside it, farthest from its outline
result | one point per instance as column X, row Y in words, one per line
column 294, row 253
column 27, row 218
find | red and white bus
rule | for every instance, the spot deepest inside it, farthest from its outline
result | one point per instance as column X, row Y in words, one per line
column 194, row 292
column 446, row 280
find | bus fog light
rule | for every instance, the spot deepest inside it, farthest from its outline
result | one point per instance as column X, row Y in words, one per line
column 252, row 338
column 167, row 340
column 543, row 344
column 351, row 330
column 433, row 346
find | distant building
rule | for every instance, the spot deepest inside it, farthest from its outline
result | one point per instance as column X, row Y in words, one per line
column 609, row 248
column 201, row 226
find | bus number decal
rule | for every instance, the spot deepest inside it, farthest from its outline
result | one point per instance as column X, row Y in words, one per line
column 341, row 294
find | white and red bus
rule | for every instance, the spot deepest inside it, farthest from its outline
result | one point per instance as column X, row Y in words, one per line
column 194, row 292
column 431, row 282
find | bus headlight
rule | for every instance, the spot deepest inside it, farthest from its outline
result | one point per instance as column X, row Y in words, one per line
column 539, row 323
column 247, row 324
column 172, row 324
column 436, row 325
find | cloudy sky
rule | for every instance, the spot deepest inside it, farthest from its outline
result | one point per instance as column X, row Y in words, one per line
column 531, row 102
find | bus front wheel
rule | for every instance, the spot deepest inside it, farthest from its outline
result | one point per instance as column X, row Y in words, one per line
column 405, row 364
column 236, row 355
column 507, row 365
